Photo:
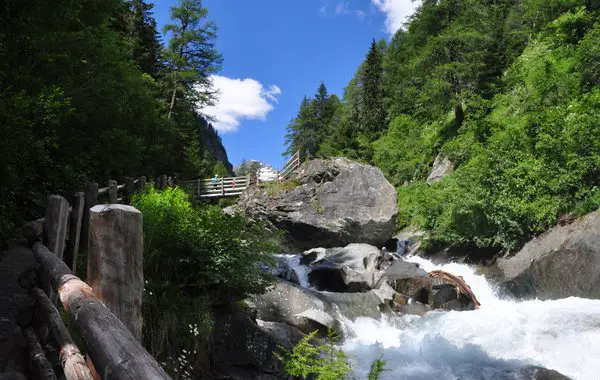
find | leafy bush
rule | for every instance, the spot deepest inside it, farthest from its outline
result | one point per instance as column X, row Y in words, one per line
column 320, row 362
column 194, row 259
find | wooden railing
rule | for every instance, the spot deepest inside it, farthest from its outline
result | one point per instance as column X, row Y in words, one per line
column 113, row 237
column 290, row 167
column 219, row 187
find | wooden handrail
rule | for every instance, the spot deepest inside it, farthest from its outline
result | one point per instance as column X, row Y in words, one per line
column 115, row 352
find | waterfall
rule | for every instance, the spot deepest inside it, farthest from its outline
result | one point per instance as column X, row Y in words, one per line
column 502, row 335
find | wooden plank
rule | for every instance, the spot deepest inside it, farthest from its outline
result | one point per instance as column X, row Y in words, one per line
column 115, row 257
column 55, row 230
column 75, row 231
column 72, row 362
column 55, row 224
column 91, row 199
column 112, row 191
column 39, row 362
column 141, row 184
column 115, row 352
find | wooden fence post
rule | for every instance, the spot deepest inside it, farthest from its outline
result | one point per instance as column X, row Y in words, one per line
column 112, row 191
column 141, row 185
column 74, row 231
column 55, row 224
column 222, row 185
column 115, row 256
column 91, row 199
column 129, row 189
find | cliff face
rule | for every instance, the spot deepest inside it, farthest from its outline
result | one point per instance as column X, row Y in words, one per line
column 214, row 145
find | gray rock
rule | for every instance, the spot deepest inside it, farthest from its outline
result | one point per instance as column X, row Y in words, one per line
column 354, row 305
column 285, row 335
column 442, row 166
column 241, row 349
column 344, row 269
column 284, row 271
column 532, row 373
column 563, row 262
column 286, row 302
column 337, row 202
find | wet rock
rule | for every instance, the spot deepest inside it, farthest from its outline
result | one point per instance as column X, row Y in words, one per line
column 283, row 270
column 354, row 305
column 532, row 373
column 563, row 262
column 417, row 288
column 414, row 308
column 284, row 334
column 286, row 302
column 344, row 269
column 338, row 202
column 241, row 349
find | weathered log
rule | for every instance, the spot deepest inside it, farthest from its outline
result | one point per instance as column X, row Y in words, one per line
column 458, row 282
column 55, row 230
column 115, row 352
column 115, row 258
column 40, row 364
column 33, row 231
column 55, row 224
column 75, row 231
column 129, row 189
column 91, row 199
column 113, row 191
column 72, row 362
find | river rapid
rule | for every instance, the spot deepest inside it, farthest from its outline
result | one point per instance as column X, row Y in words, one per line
column 502, row 335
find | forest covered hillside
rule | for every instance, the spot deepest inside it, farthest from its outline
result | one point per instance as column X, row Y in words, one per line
column 508, row 91
column 88, row 92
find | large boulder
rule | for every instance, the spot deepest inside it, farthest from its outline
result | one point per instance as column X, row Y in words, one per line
column 289, row 303
column 563, row 262
column 343, row 269
column 336, row 202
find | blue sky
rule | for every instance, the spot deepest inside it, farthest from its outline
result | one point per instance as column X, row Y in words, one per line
column 277, row 51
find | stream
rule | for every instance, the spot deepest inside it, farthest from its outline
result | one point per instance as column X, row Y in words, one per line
column 502, row 335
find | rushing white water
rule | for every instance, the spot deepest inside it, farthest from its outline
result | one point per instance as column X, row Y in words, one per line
column 502, row 335
column 293, row 262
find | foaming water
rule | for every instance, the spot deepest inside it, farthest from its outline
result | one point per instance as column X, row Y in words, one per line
column 502, row 335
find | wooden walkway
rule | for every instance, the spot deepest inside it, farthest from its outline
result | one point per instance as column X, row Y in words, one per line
column 224, row 187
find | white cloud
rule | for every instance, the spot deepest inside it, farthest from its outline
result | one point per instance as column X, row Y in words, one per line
column 240, row 99
column 323, row 10
column 396, row 12
column 360, row 14
column 341, row 8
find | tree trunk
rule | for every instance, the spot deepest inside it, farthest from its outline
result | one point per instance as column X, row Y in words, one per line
column 172, row 102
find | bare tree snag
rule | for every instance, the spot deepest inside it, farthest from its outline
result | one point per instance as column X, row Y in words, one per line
column 115, row 352
column 75, row 231
column 39, row 363
column 460, row 284
column 115, row 258
column 73, row 363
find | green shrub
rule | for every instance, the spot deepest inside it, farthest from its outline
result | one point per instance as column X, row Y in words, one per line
column 194, row 259
column 319, row 362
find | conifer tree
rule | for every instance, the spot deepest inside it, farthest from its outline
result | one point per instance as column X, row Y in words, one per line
column 191, row 55
column 374, row 113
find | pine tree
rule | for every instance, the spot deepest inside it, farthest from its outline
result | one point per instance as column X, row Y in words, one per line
column 374, row 113
column 146, row 44
column 191, row 56
column 302, row 131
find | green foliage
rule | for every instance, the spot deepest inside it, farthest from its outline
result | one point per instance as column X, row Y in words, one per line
column 509, row 92
column 84, row 98
column 274, row 188
column 377, row 369
column 319, row 362
column 194, row 259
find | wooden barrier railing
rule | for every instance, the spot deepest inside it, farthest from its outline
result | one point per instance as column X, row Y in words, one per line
column 290, row 167
column 109, row 320
column 217, row 188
